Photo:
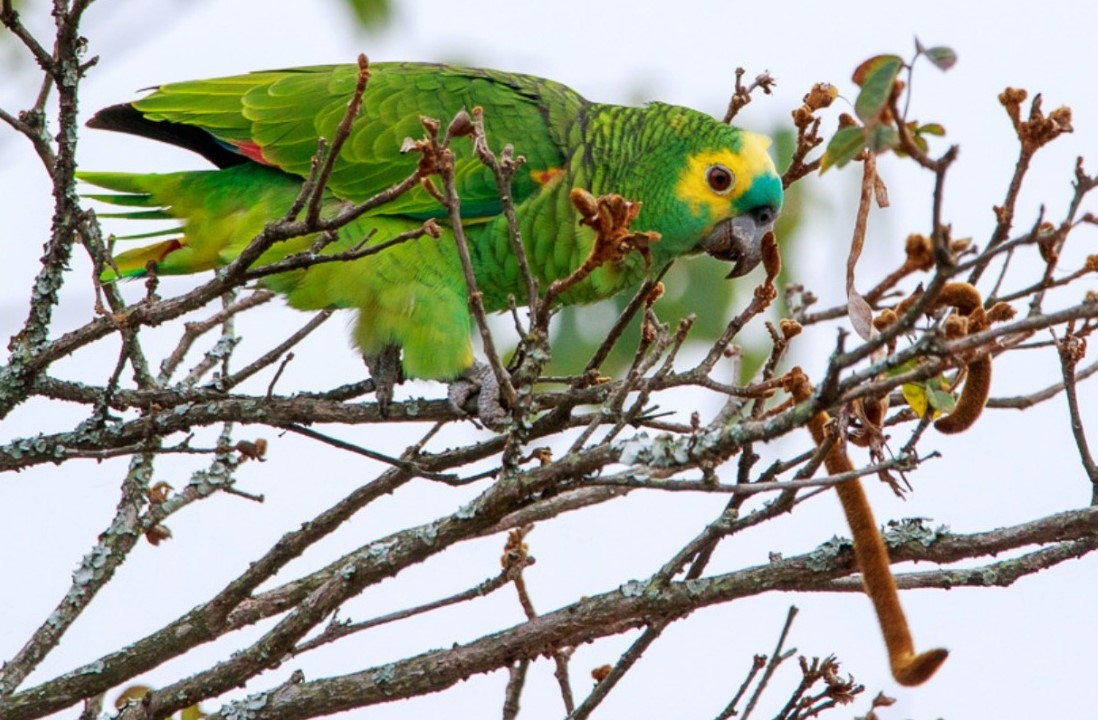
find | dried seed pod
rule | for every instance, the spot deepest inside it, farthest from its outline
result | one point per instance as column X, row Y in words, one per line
column 908, row 668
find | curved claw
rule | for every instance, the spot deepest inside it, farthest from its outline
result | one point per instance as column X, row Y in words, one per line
column 386, row 371
column 479, row 380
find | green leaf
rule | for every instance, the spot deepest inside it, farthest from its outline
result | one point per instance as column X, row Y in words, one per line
column 901, row 369
column 940, row 400
column 842, row 147
column 876, row 77
column 931, row 129
column 882, row 137
column 931, row 395
column 943, row 57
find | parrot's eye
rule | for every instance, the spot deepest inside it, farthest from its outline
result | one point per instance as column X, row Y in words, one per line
column 720, row 179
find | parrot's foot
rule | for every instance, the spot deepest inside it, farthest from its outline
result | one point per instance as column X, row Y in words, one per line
column 479, row 380
column 386, row 372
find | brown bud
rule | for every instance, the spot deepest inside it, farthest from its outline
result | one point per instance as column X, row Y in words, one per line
column 1061, row 117
column 955, row 326
column 790, row 328
column 252, row 450
column 802, row 116
column 821, row 96
column 158, row 493
column 920, row 252
column 432, row 229
column 584, row 202
column 1000, row 312
column 1013, row 96
column 461, row 125
column 654, row 294
column 431, row 125
column 157, row 534
column 885, row 319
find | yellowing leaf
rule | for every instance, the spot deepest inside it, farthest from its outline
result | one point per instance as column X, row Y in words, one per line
column 915, row 395
column 932, row 394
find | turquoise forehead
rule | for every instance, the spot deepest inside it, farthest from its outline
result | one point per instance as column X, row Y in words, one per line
column 765, row 190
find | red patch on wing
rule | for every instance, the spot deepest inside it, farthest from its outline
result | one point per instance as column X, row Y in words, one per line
column 542, row 177
column 251, row 151
column 170, row 247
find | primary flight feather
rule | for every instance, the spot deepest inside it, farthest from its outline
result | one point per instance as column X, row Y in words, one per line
column 705, row 186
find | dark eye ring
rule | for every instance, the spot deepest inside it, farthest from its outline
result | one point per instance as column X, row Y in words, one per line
column 720, row 179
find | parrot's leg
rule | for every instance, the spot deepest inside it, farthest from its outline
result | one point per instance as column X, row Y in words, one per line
column 479, row 380
column 386, row 372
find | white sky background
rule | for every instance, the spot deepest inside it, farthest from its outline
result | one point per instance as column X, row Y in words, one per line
column 1021, row 652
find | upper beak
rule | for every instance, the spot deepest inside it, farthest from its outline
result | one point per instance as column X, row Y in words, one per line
column 739, row 239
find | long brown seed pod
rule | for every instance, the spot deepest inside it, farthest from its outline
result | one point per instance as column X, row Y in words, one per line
column 908, row 668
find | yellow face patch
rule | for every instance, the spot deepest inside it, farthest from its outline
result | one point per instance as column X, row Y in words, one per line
column 751, row 161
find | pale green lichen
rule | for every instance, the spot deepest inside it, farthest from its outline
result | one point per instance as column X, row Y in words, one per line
column 384, row 676
column 247, row 709
column 913, row 530
column 823, row 558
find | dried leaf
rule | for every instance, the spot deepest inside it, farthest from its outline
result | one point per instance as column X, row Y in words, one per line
column 861, row 315
column 880, row 191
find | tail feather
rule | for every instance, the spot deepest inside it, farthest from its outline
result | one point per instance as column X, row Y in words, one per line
column 216, row 213
column 141, row 215
column 123, row 182
column 127, row 199
column 175, row 230
column 135, row 263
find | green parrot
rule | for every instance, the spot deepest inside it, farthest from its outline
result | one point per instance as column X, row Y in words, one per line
column 703, row 185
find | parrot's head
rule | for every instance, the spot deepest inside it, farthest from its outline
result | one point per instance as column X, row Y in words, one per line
column 733, row 193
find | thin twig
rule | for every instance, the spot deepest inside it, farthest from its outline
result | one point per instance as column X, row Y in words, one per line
column 776, row 658
column 628, row 659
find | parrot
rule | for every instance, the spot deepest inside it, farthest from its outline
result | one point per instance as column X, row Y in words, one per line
column 701, row 184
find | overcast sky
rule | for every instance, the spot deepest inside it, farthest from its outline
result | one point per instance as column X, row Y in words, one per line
column 1023, row 652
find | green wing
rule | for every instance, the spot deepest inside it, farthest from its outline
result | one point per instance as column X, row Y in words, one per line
column 276, row 117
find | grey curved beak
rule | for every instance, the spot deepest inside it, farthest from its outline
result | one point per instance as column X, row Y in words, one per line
column 739, row 240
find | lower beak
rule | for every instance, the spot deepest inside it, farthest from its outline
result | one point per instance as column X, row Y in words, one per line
column 739, row 241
